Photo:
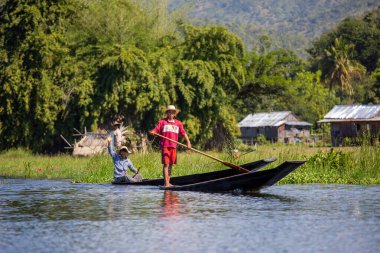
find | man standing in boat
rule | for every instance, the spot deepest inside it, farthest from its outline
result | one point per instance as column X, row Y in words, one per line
column 121, row 163
column 170, row 128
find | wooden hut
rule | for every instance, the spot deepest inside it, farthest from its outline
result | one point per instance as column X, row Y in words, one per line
column 352, row 122
column 93, row 143
column 274, row 126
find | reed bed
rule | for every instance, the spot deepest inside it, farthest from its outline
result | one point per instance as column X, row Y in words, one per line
column 346, row 165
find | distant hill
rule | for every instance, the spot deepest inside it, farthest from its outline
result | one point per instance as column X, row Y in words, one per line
column 291, row 24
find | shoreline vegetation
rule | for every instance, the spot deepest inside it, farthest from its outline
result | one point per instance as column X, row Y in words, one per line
column 342, row 165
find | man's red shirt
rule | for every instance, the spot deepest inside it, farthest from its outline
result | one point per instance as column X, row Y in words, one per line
column 169, row 129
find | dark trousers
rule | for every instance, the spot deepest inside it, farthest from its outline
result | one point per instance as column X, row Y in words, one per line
column 128, row 179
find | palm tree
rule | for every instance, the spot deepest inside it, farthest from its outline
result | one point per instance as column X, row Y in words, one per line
column 343, row 69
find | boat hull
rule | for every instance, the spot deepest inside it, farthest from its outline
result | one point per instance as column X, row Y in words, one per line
column 195, row 178
column 243, row 182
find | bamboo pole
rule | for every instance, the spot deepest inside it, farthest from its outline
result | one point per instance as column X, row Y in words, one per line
column 233, row 166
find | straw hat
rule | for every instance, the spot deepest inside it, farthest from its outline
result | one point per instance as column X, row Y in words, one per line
column 172, row 108
column 124, row 148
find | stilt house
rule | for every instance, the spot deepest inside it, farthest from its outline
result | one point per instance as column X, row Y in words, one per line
column 275, row 127
column 352, row 122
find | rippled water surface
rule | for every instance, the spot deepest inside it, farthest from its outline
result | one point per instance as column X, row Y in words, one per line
column 56, row 216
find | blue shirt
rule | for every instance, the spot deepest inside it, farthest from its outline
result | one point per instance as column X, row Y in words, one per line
column 120, row 164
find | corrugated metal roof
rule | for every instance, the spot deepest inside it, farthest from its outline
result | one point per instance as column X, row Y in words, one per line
column 263, row 119
column 352, row 112
column 298, row 123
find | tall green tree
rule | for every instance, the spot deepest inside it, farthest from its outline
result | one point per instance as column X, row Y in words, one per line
column 209, row 75
column 200, row 73
column 269, row 76
column 33, row 63
column 367, row 90
column 342, row 68
column 372, row 94
column 308, row 97
column 129, row 44
column 125, row 84
column 363, row 33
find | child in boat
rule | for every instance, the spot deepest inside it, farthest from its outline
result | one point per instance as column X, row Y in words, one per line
column 121, row 162
column 171, row 128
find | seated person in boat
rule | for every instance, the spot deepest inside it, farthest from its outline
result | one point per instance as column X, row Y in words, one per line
column 170, row 128
column 121, row 163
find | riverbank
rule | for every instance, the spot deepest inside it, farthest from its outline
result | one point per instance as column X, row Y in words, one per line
column 346, row 165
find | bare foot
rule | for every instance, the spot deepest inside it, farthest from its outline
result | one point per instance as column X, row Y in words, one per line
column 168, row 185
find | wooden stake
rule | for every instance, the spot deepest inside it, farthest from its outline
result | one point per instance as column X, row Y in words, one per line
column 68, row 143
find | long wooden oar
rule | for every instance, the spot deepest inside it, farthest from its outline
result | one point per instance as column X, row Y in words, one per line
column 233, row 166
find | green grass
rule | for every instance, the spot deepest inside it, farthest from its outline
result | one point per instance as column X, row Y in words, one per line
column 355, row 165
column 343, row 166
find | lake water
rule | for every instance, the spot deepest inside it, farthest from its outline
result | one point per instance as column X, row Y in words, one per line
column 56, row 216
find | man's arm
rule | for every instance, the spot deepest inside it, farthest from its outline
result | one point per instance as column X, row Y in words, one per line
column 156, row 130
column 118, row 137
column 111, row 150
column 131, row 167
column 183, row 133
column 187, row 140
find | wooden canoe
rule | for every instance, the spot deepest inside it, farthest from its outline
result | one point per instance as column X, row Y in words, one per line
column 252, row 181
column 196, row 178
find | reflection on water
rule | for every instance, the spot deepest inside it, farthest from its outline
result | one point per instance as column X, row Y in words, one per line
column 99, row 218
column 170, row 204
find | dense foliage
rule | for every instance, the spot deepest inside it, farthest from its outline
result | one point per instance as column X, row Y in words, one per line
column 78, row 63
column 35, row 71
column 346, row 53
